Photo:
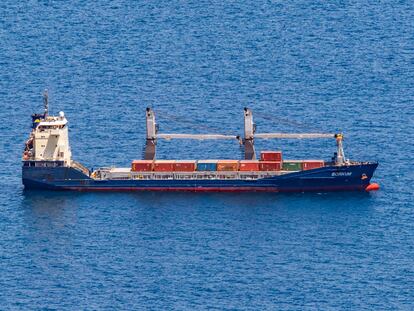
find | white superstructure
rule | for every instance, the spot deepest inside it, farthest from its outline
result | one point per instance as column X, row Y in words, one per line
column 49, row 139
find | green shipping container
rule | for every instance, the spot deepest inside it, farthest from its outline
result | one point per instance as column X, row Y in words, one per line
column 292, row 166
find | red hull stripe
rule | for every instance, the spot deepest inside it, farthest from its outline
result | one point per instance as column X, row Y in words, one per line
column 216, row 189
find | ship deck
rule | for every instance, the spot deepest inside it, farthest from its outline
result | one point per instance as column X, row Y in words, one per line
column 127, row 174
column 114, row 173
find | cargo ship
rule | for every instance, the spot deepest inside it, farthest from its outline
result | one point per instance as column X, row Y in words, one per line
column 48, row 164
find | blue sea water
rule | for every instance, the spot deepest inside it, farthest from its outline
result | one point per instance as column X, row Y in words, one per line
column 300, row 65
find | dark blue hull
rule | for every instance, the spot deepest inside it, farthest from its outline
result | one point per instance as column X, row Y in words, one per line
column 329, row 178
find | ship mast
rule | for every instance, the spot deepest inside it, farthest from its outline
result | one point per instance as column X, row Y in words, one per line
column 46, row 103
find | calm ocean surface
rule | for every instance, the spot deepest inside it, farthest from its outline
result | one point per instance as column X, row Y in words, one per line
column 301, row 66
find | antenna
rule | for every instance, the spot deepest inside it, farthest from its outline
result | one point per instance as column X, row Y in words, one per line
column 46, row 102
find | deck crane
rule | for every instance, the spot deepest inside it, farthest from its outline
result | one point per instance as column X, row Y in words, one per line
column 250, row 134
column 248, row 140
column 152, row 129
column 153, row 135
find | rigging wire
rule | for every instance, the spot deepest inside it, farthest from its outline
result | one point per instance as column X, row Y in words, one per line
column 289, row 122
column 196, row 125
column 191, row 123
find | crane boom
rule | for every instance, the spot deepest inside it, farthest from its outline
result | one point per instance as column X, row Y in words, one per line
column 294, row 136
column 196, row 136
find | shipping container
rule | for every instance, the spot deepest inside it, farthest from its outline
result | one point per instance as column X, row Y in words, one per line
column 185, row 166
column 271, row 156
column 249, row 165
column 270, row 165
column 164, row 165
column 311, row 164
column 292, row 165
column 142, row 165
column 227, row 165
column 206, row 165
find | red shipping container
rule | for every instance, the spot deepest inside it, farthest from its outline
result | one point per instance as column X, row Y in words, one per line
column 141, row 166
column 271, row 156
column 184, row 166
column 249, row 166
column 164, row 165
column 270, row 166
column 311, row 164
column 227, row 165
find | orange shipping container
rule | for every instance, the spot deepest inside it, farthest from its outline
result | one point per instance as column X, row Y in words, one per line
column 164, row 165
column 271, row 156
column 311, row 164
column 270, row 166
column 141, row 166
column 184, row 166
column 249, row 165
column 227, row 165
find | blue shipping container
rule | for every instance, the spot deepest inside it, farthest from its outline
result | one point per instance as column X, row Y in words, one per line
column 207, row 166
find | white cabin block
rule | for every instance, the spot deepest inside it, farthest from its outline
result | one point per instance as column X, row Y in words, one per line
column 51, row 140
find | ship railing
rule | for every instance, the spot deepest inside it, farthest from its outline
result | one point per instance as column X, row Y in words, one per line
column 348, row 163
column 105, row 174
